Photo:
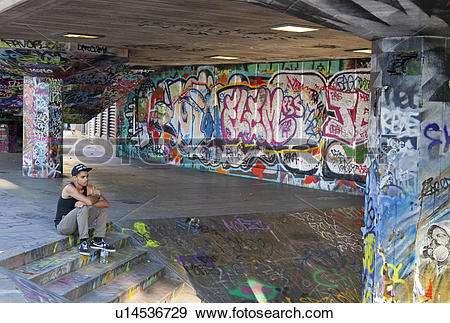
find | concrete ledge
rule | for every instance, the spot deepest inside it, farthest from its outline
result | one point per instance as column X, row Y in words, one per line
column 17, row 257
column 42, row 271
column 126, row 285
column 78, row 283
column 24, row 291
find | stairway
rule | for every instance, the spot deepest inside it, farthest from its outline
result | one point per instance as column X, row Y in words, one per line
column 58, row 268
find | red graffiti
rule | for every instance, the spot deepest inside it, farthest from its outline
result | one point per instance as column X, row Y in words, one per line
column 258, row 170
column 310, row 179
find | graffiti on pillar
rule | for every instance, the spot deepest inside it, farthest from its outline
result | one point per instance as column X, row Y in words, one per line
column 406, row 231
column 42, row 128
column 4, row 138
column 439, row 139
column 278, row 122
column 399, row 63
column 435, row 247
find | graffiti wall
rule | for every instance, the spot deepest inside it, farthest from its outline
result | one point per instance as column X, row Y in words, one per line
column 42, row 127
column 407, row 218
column 88, row 92
column 300, row 123
column 11, row 94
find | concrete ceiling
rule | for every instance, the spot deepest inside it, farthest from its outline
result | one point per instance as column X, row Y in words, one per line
column 371, row 19
column 177, row 32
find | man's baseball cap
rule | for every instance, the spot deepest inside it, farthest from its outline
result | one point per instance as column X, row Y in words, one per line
column 79, row 168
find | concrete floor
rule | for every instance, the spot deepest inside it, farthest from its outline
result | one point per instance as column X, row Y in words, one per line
column 166, row 198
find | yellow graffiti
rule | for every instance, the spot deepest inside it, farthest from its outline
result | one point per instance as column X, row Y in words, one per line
column 368, row 297
column 369, row 253
column 108, row 277
column 368, row 265
column 84, row 259
column 397, row 280
column 131, row 292
column 141, row 229
column 389, row 282
column 349, row 296
column 54, row 248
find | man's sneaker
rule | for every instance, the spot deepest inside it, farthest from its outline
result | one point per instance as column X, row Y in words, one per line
column 102, row 245
column 84, row 248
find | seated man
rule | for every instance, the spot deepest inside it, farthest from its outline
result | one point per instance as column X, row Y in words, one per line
column 78, row 206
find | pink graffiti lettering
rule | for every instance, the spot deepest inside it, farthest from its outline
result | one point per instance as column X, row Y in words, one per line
column 258, row 118
column 240, row 225
column 351, row 110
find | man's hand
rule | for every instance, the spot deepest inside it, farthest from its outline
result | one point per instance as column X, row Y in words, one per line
column 96, row 191
column 79, row 204
column 94, row 198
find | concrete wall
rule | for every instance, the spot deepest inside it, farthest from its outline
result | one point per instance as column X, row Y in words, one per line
column 300, row 123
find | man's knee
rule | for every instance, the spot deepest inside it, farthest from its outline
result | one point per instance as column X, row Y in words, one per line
column 98, row 211
column 65, row 231
column 82, row 211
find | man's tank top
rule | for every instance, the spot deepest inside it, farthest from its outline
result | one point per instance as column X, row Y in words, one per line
column 66, row 205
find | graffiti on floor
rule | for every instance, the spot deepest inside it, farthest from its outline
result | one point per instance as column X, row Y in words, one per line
column 142, row 231
column 281, row 258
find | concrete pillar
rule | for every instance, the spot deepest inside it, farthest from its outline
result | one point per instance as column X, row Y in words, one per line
column 42, row 127
column 407, row 217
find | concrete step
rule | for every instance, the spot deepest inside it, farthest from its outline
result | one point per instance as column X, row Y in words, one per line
column 80, row 282
column 142, row 277
column 162, row 291
column 186, row 295
column 22, row 257
column 44, row 270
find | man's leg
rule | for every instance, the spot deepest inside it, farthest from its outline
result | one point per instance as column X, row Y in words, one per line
column 101, row 215
column 77, row 218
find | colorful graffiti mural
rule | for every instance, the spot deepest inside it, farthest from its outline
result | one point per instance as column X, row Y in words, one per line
column 94, row 77
column 11, row 94
column 407, row 218
column 301, row 123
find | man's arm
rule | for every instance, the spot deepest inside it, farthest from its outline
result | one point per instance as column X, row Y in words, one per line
column 101, row 202
column 86, row 200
